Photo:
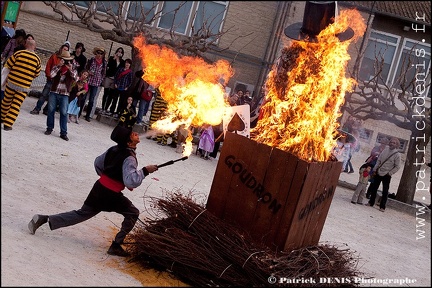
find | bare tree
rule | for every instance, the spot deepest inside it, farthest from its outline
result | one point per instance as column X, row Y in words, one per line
column 403, row 104
column 128, row 19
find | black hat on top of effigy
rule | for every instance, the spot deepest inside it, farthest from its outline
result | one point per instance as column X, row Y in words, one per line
column 317, row 16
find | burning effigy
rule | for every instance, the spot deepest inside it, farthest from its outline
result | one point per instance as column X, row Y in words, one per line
column 271, row 193
column 306, row 89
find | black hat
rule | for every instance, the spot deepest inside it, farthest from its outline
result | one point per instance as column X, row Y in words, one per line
column 317, row 16
column 139, row 73
column 79, row 44
column 20, row 32
column 121, row 135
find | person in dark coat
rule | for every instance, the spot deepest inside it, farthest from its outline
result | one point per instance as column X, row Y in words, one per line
column 80, row 60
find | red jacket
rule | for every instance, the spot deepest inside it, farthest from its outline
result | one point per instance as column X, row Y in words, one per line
column 54, row 60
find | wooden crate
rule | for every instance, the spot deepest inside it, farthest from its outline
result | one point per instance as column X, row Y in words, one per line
column 276, row 197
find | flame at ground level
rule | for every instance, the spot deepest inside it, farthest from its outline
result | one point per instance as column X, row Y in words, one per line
column 305, row 91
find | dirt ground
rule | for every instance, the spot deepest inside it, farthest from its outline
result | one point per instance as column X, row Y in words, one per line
column 45, row 174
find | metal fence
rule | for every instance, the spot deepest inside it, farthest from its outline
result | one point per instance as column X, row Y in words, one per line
column 39, row 82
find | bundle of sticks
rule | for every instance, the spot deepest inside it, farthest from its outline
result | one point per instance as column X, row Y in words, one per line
column 202, row 250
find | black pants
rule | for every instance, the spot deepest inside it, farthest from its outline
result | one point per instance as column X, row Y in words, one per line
column 215, row 150
column 374, row 189
column 100, row 199
column 122, row 101
column 349, row 167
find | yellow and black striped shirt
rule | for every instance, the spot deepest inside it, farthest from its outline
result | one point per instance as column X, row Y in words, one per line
column 24, row 66
column 159, row 107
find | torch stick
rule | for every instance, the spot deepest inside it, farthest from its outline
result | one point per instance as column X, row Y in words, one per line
column 172, row 162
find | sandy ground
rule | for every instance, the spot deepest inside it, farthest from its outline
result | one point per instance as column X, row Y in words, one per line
column 45, row 174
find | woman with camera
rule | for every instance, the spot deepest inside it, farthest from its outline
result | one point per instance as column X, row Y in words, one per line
column 52, row 62
column 63, row 76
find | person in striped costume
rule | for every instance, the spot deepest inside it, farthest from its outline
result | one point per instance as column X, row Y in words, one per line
column 24, row 66
column 158, row 108
column 160, row 105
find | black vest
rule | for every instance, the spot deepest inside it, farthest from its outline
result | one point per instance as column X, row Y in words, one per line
column 114, row 158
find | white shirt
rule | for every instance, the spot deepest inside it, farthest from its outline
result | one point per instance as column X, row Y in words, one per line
column 390, row 166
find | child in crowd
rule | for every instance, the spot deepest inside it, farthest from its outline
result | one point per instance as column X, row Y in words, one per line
column 182, row 134
column 78, row 91
column 360, row 190
column 207, row 141
column 128, row 115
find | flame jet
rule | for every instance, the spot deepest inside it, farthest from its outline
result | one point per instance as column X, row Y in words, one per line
column 191, row 87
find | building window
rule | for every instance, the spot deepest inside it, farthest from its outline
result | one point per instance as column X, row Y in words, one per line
column 84, row 4
column 175, row 15
column 381, row 47
column 183, row 17
column 142, row 9
column 206, row 16
column 209, row 17
column 365, row 135
column 414, row 61
column 101, row 6
column 403, row 143
column 105, row 6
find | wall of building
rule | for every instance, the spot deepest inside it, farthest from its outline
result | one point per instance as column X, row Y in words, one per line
column 396, row 27
column 250, row 25
column 50, row 34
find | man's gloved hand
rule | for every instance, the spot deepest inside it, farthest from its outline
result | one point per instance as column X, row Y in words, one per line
column 149, row 169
